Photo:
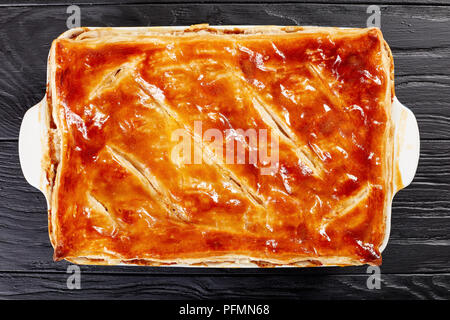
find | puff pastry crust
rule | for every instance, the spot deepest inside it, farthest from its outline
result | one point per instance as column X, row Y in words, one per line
column 116, row 95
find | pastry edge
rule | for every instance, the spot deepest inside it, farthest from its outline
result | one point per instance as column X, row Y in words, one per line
column 53, row 143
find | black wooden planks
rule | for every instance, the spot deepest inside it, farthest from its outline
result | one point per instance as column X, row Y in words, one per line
column 417, row 259
column 305, row 287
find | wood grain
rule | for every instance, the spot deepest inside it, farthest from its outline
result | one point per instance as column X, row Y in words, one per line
column 305, row 287
column 103, row 2
column 416, row 263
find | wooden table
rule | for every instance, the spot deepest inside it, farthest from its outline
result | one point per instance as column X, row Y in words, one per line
column 417, row 260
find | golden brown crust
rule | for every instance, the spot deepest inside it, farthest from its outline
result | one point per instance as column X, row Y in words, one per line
column 112, row 201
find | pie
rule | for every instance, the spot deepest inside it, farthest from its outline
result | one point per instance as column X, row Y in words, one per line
column 219, row 146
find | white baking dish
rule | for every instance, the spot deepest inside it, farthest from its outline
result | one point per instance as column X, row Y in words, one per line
column 406, row 146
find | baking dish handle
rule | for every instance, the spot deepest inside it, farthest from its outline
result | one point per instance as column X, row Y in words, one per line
column 30, row 145
column 407, row 145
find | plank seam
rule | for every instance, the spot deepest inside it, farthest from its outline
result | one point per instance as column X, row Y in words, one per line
column 261, row 2
column 262, row 274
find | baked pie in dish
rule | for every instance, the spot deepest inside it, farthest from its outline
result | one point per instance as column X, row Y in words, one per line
column 119, row 193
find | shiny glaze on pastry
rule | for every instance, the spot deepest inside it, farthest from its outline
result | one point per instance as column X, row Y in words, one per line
column 116, row 97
